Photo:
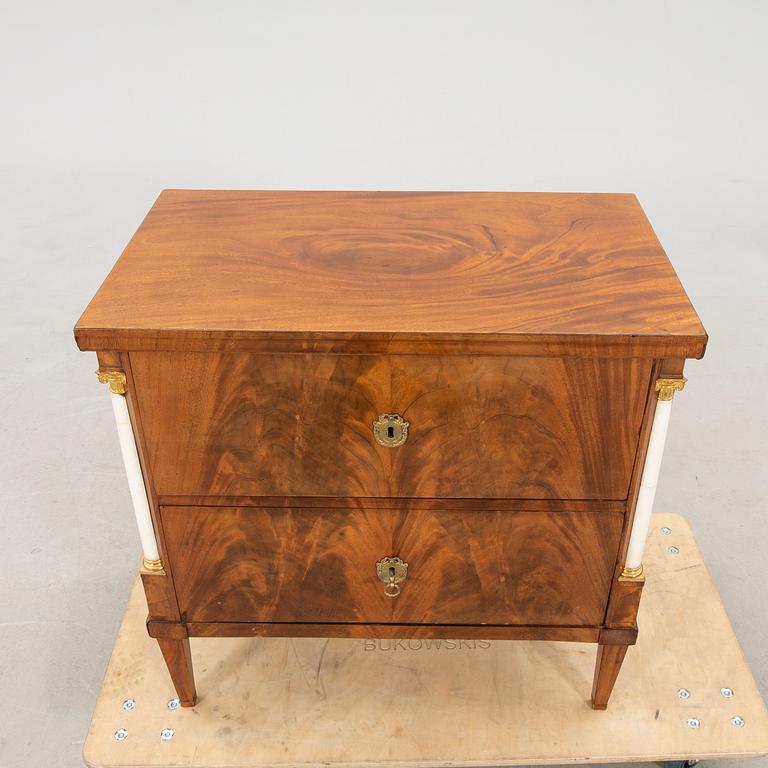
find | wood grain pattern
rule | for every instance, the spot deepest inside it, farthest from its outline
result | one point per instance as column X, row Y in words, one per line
column 301, row 425
column 393, row 502
column 178, row 659
column 618, row 636
column 624, row 603
column 454, row 632
column 161, row 598
column 607, row 666
column 310, row 565
column 506, row 345
column 557, row 271
column 110, row 360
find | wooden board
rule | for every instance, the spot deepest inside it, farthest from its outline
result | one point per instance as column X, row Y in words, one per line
column 428, row 704
column 563, row 272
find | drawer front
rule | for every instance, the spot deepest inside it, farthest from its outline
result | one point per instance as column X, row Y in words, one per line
column 302, row 425
column 319, row 565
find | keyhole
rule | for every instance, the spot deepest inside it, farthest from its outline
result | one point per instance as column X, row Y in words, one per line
column 391, row 571
column 390, row 432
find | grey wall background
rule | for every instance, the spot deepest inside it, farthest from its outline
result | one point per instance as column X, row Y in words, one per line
column 105, row 103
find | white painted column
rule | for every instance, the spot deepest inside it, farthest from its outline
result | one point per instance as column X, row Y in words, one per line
column 116, row 381
column 665, row 389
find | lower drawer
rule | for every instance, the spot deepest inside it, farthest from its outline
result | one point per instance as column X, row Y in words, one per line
column 254, row 564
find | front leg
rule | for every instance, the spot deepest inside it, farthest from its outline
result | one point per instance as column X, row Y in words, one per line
column 178, row 659
column 607, row 666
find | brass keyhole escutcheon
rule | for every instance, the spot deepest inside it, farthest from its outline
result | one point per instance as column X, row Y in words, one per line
column 390, row 430
column 392, row 571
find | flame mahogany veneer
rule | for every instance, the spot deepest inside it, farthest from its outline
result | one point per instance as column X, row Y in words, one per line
column 261, row 334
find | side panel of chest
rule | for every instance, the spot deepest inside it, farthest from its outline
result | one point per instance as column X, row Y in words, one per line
column 319, row 565
column 302, row 424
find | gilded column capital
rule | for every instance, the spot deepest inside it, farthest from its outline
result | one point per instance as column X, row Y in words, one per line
column 666, row 388
column 115, row 379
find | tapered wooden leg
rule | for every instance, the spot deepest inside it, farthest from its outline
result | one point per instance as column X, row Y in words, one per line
column 609, row 659
column 178, row 659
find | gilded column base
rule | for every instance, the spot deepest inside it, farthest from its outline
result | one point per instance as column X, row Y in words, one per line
column 633, row 574
column 153, row 566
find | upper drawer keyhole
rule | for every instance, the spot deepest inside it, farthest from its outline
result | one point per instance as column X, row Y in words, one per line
column 390, row 430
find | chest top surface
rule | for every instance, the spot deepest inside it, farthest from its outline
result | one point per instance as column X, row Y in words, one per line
column 550, row 271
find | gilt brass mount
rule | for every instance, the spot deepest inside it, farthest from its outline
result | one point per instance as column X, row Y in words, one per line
column 153, row 566
column 391, row 570
column 666, row 388
column 115, row 379
column 390, row 430
column 633, row 574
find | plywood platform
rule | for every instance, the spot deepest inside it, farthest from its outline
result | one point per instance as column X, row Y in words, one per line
column 273, row 702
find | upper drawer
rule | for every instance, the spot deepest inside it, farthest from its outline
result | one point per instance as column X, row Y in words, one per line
column 302, row 424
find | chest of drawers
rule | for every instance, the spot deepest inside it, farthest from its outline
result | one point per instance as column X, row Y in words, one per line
column 392, row 414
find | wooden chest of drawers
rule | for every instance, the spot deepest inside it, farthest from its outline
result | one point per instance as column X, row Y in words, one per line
column 392, row 414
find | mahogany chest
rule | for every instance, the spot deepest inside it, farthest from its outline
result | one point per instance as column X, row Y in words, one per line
column 359, row 414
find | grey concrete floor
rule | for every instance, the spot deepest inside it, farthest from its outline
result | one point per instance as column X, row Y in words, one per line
column 104, row 104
